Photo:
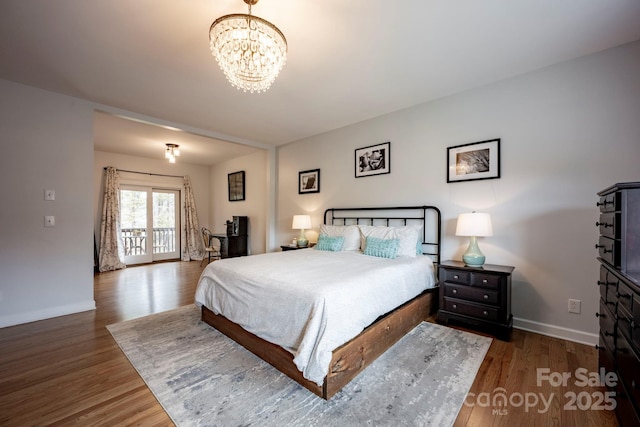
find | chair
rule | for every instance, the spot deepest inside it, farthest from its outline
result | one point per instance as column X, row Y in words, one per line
column 209, row 249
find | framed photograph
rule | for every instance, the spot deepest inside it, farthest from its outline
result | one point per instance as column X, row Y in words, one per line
column 471, row 162
column 309, row 181
column 236, row 186
column 373, row 160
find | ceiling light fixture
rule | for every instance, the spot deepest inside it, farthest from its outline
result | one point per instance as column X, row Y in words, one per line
column 250, row 50
column 172, row 152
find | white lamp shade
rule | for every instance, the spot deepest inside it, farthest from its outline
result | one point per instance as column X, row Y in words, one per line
column 301, row 222
column 474, row 224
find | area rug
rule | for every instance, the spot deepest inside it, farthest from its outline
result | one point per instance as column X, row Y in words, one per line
column 203, row 378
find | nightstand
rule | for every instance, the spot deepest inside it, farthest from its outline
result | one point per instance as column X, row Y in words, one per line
column 291, row 248
column 477, row 296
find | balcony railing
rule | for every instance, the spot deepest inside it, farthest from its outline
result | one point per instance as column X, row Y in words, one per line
column 135, row 240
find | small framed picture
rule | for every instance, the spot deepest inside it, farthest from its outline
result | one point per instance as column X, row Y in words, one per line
column 309, row 181
column 471, row 162
column 373, row 160
column 236, row 186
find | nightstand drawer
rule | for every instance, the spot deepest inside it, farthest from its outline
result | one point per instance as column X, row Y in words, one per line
column 485, row 280
column 456, row 276
column 470, row 309
column 471, row 294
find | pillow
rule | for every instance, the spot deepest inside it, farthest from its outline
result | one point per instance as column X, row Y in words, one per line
column 383, row 248
column 326, row 243
column 350, row 233
column 408, row 237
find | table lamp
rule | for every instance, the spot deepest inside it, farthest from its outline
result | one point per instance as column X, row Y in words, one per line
column 474, row 225
column 301, row 222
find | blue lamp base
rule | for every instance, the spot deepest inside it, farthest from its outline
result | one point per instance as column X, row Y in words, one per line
column 302, row 240
column 473, row 257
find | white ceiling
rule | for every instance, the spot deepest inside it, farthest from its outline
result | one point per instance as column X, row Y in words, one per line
column 348, row 61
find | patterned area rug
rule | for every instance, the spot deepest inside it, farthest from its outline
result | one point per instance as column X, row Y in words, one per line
column 203, row 378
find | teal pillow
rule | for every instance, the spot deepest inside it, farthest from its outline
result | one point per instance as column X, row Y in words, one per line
column 327, row 243
column 383, row 248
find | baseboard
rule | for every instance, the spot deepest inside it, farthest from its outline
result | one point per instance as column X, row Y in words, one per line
column 47, row 313
column 573, row 335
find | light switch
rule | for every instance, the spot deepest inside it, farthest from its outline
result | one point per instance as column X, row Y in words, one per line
column 49, row 221
column 49, row 194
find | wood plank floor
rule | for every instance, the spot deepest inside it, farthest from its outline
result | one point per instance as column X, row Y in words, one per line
column 69, row 371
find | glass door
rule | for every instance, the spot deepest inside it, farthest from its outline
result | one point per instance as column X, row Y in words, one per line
column 149, row 220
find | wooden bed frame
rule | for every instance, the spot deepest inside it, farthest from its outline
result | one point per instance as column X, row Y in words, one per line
column 351, row 358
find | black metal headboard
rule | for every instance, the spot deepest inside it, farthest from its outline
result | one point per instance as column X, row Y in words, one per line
column 427, row 216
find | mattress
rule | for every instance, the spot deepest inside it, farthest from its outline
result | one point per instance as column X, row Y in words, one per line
column 308, row 301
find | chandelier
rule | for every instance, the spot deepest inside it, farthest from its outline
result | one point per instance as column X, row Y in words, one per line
column 172, row 152
column 250, row 50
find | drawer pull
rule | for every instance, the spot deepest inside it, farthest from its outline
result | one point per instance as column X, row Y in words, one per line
column 486, row 313
column 484, row 281
column 455, row 276
column 605, row 203
column 602, row 283
column 619, row 295
column 486, row 296
column 605, row 248
column 601, row 315
column 455, row 291
column 603, row 224
column 598, row 347
column 608, row 334
column 455, row 306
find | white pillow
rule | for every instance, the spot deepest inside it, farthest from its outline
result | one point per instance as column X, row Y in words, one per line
column 350, row 233
column 408, row 237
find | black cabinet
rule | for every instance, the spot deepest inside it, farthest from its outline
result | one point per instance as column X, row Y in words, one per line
column 478, row 296
column 619, row 313
column 237, row 239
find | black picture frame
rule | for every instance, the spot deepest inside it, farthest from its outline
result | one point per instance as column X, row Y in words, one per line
column 373, row 160
column 236, row 186
column 309, row 181
column 474, row 161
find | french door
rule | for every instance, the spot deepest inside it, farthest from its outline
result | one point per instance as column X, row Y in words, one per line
column 150, row 224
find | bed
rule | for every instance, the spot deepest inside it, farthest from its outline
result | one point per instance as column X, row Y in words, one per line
column 321, row 315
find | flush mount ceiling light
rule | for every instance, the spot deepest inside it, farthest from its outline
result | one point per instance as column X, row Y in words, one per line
column 250, row 50
column 172, row 152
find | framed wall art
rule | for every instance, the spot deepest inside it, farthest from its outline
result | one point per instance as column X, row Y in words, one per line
column 236, row 186
column 309, row 181
column 373, row 160
column 471, row 162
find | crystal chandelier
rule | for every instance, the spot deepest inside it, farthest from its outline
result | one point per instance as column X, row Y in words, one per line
column 249, row 50
column 172, row 152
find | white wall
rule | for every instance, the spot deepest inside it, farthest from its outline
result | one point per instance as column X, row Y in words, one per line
column 47, row 144
column 255, row 204
column 568, row 131
column 199, row 181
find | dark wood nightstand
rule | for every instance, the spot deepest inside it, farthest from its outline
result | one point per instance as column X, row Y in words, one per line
column 291, row 248
column 478, row 296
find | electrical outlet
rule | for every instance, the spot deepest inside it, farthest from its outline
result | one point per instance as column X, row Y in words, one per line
column 574, row 306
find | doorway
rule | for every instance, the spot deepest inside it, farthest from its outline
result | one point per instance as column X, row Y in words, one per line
column 150, row 224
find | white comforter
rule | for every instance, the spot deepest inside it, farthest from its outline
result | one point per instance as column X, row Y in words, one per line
column 308, row 301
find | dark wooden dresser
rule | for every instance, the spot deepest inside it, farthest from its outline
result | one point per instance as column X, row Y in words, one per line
column 479, row 296
column 619, row 314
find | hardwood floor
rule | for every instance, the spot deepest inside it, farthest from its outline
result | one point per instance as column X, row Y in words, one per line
column 69, row 371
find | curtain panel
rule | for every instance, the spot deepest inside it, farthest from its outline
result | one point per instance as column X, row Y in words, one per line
column 192, row 243
column 111, row 254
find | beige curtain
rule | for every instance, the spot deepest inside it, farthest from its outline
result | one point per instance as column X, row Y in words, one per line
column 192, row 244
column 111, row 254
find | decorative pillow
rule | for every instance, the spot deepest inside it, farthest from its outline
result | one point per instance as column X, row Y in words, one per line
column 326, row 243
column 350, row 233
column 408, row 237
column 383, row 248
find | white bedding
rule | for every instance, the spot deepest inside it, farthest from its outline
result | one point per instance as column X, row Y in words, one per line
column 308, row 301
